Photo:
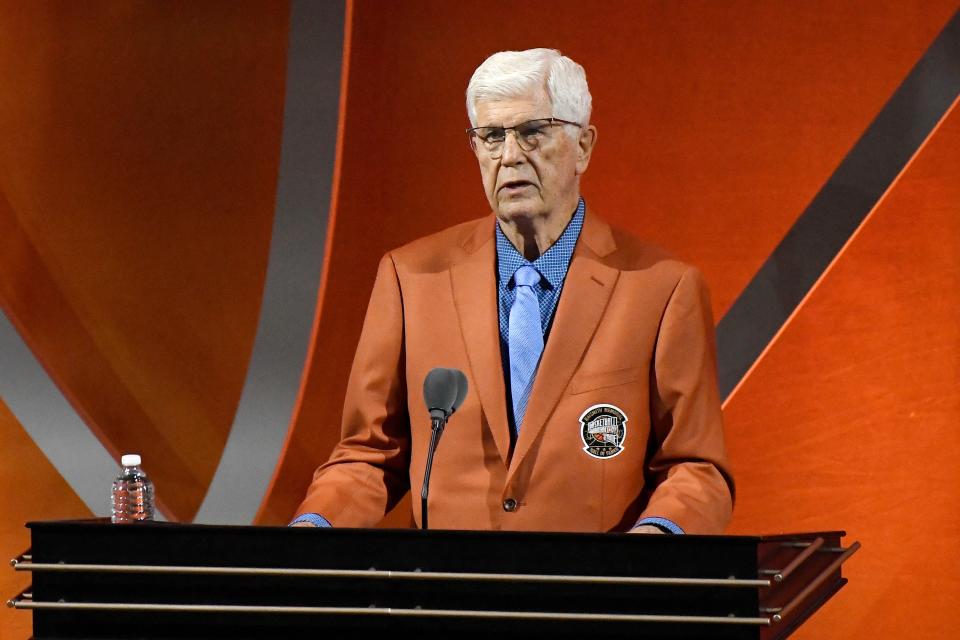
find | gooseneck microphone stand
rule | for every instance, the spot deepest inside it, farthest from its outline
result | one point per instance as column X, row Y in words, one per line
column 443, row 392
column 436, row 430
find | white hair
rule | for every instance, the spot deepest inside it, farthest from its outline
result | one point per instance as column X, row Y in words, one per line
column 512, row 74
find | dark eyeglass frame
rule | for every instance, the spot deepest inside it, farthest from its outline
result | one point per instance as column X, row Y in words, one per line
column 473, row 135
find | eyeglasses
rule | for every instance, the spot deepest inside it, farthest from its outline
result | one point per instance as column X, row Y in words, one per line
column 529, row 135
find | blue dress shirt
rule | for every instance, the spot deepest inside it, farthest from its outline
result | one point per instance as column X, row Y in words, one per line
column 552, row 265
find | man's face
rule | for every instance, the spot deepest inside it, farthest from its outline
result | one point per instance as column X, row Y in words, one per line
column 527, row 184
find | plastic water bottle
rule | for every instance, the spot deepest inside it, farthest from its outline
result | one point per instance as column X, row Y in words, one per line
column 132, row 492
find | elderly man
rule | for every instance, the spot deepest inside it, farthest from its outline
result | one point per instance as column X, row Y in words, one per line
column 593, row 402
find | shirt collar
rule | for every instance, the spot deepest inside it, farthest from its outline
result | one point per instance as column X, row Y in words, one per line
column 552, row 263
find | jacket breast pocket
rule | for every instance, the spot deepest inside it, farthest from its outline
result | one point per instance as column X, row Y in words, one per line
column 583, row 382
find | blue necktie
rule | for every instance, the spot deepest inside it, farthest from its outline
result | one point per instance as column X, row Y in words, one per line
column 525, row 338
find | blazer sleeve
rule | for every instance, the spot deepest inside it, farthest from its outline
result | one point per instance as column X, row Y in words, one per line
column 367, row 472
column 687, row 468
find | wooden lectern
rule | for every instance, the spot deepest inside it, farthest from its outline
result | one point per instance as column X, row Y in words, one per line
column 94, row 579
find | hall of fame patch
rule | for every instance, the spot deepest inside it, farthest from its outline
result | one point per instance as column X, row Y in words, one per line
column 603, row 428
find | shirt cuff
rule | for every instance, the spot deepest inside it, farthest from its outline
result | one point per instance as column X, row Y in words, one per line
column 662, row 523
column 315, row 519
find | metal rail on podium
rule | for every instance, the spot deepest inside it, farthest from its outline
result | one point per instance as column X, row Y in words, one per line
column 93, row 579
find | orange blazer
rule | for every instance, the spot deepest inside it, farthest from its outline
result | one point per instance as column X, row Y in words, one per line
column 632, row 331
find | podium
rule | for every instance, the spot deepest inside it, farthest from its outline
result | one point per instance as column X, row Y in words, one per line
column 94, row 579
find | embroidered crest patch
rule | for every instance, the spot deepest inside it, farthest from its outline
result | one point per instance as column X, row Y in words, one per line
column 603, row 428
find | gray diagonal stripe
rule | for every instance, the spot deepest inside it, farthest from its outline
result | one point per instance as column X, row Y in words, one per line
column 50, row 420
column 296, row 258
column 840, row 207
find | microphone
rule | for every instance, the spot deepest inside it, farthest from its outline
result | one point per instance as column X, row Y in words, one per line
column 444, row 390
column 440, row 390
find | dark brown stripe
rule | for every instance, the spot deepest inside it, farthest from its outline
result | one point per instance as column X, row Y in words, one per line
column 840, row 207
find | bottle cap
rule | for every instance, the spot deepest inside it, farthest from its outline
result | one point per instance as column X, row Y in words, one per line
column 130, row 460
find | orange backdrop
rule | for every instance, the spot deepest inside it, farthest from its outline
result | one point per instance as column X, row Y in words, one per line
column 137, row 183
column 138, row 167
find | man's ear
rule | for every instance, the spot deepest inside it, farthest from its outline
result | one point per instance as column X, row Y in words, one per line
column 585, row 144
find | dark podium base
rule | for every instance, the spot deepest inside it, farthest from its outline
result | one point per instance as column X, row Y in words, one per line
column 97, row 580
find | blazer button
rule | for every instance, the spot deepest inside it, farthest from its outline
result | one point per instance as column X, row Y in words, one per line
column 509, row 504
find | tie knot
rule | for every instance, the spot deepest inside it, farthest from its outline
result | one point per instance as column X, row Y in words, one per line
column 526, row 276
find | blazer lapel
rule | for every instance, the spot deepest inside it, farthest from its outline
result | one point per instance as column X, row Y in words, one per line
column 583, row 300
column 475, row 297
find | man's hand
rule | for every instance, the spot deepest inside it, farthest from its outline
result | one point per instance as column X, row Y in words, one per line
column 647, row 528
column 304, row 524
